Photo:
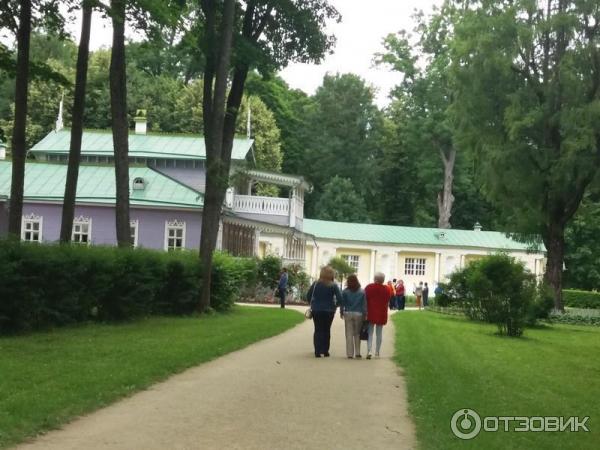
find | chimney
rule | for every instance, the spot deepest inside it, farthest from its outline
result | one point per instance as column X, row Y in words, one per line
column 141, row 121
column 477, row 227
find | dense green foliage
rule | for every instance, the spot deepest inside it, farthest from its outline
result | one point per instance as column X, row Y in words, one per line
column 341, row 202
column 498, row 289
column 50, row 378
column 450, row 364
column 582, row 258
column 47, row 285
column 581, row 299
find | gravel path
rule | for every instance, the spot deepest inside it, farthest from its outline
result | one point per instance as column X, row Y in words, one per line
column 272, row 395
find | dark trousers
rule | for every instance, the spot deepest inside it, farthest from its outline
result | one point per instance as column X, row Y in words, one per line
column 282, row 297
column 401, row 302
column 322, row 336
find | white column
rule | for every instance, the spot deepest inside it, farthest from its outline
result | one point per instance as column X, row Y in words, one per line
column 229, row 198
column 373, row 259
column 436, row 274
column 220, row 236
column 315, row 262
column 256, row 241
column 293, row 209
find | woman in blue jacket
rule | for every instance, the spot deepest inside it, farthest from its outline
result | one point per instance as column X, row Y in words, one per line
column 324, row 296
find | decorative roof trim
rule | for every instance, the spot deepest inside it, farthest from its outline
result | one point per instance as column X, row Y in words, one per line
column 278, row 178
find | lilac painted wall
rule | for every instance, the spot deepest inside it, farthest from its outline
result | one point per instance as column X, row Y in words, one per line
column 151, row 224
column 194, row 178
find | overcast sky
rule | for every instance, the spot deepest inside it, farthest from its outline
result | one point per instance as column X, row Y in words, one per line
column 359, row 36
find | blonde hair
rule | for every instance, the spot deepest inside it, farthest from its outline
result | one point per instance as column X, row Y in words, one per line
column 327, row 275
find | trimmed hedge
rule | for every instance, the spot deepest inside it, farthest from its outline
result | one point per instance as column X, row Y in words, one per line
column 581, row 299
column 42, row 286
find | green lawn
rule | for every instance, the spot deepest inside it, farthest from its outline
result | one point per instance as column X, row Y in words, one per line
column 451, row 364
column 48, row 378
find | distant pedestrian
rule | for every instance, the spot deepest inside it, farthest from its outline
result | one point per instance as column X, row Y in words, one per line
column 324, row 296
column 400, row 295
column 282, row 286
column 392, row 292
column 425, row 296
column 393, row 300
column 418, row 291
column 353, row 310
column 378, row 297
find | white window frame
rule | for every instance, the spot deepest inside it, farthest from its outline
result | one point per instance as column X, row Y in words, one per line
column 31, row 219
column 82, row 221
column 415, row 266
column 353, row 261
column 175, row 225
column 135, row 224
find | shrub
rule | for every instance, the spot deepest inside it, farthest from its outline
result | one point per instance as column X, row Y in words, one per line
column 269, row 268
column 53, row 285
column 581, row 299
column 442, row 299
column 341, row 267
column 496, row 289
column 298, row 280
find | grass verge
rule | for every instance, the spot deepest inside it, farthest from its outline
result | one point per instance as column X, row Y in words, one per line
column 451, row 363
column 49, row 378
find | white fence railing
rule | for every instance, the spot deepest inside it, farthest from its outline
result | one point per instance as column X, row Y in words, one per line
column 261, row 205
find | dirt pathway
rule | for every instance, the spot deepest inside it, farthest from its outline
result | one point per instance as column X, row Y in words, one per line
column 272, row 395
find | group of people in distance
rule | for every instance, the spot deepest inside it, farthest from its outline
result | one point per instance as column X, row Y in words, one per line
column 398, row 294
column 359, row 308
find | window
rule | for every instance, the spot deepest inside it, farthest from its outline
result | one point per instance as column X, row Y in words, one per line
column 133, row 227
column 414, row 266
column 82, row 230
column 174, row 235
column 31, row 228
column 352, row 261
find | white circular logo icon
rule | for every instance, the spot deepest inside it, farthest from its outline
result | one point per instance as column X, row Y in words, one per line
column 465, row 424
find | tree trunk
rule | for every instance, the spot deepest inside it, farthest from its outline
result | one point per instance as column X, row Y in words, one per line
column 120, row 124
column 555, row 248
column 217, row 174
column 18, row 145
column 68, row 211
column 445, row 198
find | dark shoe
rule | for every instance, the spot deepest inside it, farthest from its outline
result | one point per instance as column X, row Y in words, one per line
column 358, row 357
column 317, row 355
column 369, row 356
column 350, row 357
column 326, row 355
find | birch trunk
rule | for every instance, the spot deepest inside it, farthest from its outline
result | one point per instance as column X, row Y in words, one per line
column 445, row 197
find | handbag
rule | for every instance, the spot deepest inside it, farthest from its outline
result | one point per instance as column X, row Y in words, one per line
column 364, row 331
column 308, row 313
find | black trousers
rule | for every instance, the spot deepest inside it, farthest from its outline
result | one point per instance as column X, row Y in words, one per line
column 282, row 298
column 322, row 336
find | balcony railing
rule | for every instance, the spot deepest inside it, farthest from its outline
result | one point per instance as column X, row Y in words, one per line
column 251, row 204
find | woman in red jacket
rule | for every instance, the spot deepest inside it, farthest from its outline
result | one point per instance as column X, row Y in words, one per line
column 378, row 298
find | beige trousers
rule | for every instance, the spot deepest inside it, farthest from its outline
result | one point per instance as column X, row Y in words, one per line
column 353, row 322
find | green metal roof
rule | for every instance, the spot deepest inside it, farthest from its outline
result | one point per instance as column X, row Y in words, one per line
column 412, row 235
column 96, row 184
column 152, row 145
